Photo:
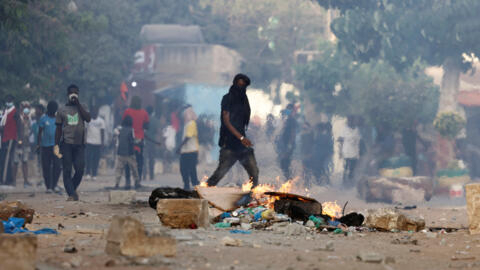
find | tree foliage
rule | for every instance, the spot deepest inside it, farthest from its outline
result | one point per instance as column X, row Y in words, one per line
column 337, row 84
column 401, row 32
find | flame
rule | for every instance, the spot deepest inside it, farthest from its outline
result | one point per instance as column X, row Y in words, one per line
column 332, row 209
column 259, row 190
column 203, row 182
column 247, row 186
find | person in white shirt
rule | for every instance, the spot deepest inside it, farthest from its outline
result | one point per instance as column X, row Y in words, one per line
column 349, row 140
column 94, row 143
column 189, row 149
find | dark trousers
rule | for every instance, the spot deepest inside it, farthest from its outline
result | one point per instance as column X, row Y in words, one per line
column 6, row 160
column 139, row 158
column 188, row 169
column 150, row 162
column 285, row 160
column 350, row 164
column 92, row 152
column 51, row 167
column 73, row 155
column 227, row 160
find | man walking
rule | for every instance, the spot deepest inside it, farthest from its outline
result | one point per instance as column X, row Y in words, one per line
column 235, row 116
column 45, row 142
column 70, row 135
column 22, row 151
column 286, row 141
column 95, row 141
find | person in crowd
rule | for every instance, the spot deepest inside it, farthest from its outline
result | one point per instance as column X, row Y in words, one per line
column 235, row 117
column 151, row 143
column 140, row 123
column 126, row 153
column 189, row 149
column 322, row 153
column 95, row 142
column 39, row 111
column 349, row 140
column 270, row 126
column 70, row 136
column 286, row 141
column 169, row 135
column 307, row 147
column 51, row 164
column 22, row 151
column 11, row 131
column 206, row 134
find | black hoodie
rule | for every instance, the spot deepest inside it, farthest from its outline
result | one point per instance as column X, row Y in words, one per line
column 236, row 103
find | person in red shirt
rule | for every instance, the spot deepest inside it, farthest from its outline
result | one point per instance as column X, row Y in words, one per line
column 11, row 130
column 140, row 124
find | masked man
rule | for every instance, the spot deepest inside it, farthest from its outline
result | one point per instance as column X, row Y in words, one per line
column 235, row 116
column 70, row 140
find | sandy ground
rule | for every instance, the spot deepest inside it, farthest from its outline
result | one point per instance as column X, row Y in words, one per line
column 86, row 221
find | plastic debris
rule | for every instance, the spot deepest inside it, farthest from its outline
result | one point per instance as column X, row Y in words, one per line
column 240, row 232
column 223, row 225
column 15, row 225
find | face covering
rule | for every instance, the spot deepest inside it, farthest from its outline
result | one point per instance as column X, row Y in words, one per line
column 9, row 104
column 72, row 96
column 26, row 111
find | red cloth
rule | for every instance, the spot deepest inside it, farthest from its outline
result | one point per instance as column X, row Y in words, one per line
column 175, row 122
column 139, row 117
column 10, row 129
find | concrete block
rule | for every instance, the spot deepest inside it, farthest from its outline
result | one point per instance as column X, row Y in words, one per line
column 126, row 236
column 18, row 252
column 390, row 219
column 473, row 207
column 183, row 213
column 16, row 209
column 121, row 196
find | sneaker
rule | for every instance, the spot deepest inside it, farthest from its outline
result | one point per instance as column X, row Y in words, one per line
column 27, row 184
column 87, row 177
column 49, row 191
column 58, row 190
column 94, row 178
column 127, row 187
column 74, row 198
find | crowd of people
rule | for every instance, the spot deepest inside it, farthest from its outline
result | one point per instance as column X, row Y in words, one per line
column 71, row 140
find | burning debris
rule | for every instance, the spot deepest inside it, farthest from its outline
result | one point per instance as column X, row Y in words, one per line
column 272, row 204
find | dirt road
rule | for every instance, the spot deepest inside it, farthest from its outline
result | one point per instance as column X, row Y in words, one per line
column 83, row 223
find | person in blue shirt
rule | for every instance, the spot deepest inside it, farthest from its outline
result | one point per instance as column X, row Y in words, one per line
column 51, row 164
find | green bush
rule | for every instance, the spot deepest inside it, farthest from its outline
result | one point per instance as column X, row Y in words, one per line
column 449, row 124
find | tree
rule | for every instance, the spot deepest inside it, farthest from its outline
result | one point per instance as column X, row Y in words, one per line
column 268, row 32
column 33, row 46
column 384, row 97
column 438, row 32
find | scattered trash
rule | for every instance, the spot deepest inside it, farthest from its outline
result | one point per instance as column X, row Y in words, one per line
column 16, row 225
column 370, row 257
column 406, row 240
column 327, row 247
column 223, row 225
column 240, row 232
column 230, row 242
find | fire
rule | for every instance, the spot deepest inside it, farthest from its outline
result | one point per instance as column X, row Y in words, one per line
column 247, row 186
column 288, row 186
column 203, row 182
column 262, row 188
column 331, row 209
